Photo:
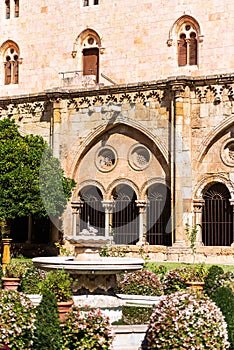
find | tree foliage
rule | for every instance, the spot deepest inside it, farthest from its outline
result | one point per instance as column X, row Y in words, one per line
column 32, row 181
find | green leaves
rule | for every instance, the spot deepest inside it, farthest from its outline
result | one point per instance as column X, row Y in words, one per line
column 32, row 181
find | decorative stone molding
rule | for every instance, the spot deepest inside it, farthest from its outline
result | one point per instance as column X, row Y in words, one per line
column 139, row 157
column 106, row 158
column 227, row 152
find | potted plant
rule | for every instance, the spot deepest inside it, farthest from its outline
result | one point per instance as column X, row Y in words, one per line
column 60, row 283
column 13, row 274
column 195, row 276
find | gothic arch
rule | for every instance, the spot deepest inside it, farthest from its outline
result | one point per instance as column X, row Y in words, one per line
column 208, row 180
column 154, row 181
column 212, row 137
column 122, row 181
column 10, row 56
column 174, row 30
column 86, row 33
column 88, row 183
column 101, row 129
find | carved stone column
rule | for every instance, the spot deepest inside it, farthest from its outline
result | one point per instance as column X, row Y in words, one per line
column 76, row 210
column 142, row 205
column 177, row 156
column 197, row 209
column 108, row 206
column 55, row 126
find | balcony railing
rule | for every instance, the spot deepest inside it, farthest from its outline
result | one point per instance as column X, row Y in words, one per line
column 77, row 79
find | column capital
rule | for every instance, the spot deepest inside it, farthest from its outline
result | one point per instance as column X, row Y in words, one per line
column 108, row 205
column 198, row 204
column 178, row 88
column 142, row 204
column 77, row 205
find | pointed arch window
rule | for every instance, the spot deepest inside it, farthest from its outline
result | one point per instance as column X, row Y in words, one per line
column 90, row 44
column 8, row 8
column 11, row 65
column 16, row 8
column 187, row 45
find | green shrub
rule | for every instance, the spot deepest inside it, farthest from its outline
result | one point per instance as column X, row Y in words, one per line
column 140, row 282
column 17, row 268
column 159, row 270
column 17, row 320
column 186, row 320
column 86, row 331
column 175, row 280
column 224, row 299
column 136, row 315
column 31, row 281
column 59, row 282
column 213, row 279
column 48, row 331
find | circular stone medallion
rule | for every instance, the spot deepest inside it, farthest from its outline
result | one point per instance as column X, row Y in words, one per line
column 227, row 152
column 139, row 157
column 106, row 158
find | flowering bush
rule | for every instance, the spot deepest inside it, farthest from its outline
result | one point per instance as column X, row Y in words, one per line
column 87, row 330
column 31, row 281
column 17, row 269
column 17, row 318
column 175, row 280
column 186, row 320
column 140, row 282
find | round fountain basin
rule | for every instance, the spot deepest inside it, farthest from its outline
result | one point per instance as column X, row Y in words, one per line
column 103, row 265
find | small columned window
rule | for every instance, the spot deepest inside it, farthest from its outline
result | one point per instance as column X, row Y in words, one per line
column 8, row 9
column 16, row 8
column 11, row 66
column 187, row 45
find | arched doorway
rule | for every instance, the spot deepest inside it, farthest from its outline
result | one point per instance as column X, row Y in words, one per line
column 92, row 211
column 217, row 217
column 125, row 220
column 158, row 215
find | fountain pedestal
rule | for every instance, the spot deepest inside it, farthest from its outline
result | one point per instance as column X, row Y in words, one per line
column 94, row 276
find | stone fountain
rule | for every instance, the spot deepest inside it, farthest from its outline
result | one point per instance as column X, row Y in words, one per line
column 94, row 276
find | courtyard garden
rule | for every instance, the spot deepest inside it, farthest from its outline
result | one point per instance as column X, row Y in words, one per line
column 183, row 317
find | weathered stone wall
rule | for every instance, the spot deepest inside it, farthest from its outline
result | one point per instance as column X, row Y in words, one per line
column 138, row 40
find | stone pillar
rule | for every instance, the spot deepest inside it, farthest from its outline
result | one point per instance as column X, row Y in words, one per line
column 142, row 205
column 76, row 210
column 55, row 127
column 197, row 209
column 108, row 206
column 232, row 204
column 179, row 153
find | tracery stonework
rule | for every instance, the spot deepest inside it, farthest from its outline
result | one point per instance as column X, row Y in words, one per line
column 106, row 158
column 227, row 152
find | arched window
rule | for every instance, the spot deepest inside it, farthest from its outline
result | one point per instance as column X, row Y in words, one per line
column 217, row 217
column 11, row 64
column 89, row 43
column 8, row 8
column 16, row 8
column 187, row 45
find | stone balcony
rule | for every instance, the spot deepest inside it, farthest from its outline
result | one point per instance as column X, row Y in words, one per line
column 76, row 79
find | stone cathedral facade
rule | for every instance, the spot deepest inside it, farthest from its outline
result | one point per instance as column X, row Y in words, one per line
column 136, row 99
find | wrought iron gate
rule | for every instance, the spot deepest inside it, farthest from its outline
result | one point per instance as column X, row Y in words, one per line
column 217, row 217
column 125, row 222
column 158, row 216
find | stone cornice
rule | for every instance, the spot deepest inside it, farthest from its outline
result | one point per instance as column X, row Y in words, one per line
column 166, row 84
